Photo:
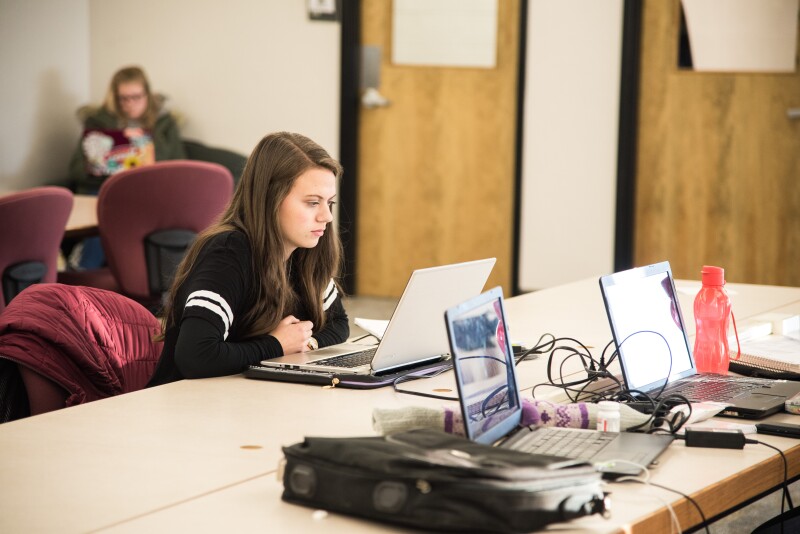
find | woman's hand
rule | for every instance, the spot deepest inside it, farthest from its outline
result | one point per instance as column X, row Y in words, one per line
column 293, row 334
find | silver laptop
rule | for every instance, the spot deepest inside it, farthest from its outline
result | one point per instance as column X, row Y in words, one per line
column 483, row 362
column 414, row 335
column 654, row 352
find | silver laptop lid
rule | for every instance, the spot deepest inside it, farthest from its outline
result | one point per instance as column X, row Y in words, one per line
column 483, row 362
column 415, row 330
column 647, row 325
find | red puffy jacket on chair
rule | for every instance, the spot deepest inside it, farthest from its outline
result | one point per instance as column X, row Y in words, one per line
column 90, row 342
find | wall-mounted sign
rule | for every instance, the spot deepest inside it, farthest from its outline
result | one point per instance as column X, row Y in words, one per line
column 447, row 33
column 742, row 35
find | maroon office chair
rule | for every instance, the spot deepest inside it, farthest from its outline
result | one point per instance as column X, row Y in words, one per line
column 147, row 217
column 77, row 344
column 32, row 224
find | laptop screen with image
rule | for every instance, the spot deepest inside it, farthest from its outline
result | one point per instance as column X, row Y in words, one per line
column 647, row 325
column 484, row 367
column 481, row 351
column 108, row 151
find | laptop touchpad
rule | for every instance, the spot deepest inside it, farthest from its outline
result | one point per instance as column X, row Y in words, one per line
column 759, row 398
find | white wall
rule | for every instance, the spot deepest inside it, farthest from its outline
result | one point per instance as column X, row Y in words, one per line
column 235, row 70
column 571, row 122
column 44, row 60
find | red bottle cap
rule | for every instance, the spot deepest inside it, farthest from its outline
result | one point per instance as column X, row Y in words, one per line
column 713, row 276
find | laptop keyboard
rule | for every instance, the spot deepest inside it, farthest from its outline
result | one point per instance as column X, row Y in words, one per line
column 711, row 388
column 567, row 442
column 348, row 361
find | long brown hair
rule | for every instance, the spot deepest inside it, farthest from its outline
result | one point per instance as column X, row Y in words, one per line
column 268, row 176
column 112, row 105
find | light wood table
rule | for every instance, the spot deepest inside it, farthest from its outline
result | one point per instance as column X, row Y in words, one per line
column 201, row 455
column 82, row 220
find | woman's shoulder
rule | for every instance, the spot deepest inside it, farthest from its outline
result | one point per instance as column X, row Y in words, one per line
column 165, row 115
column 225, row 252
column 96, row 117
column 230, row 240
column 167, row 118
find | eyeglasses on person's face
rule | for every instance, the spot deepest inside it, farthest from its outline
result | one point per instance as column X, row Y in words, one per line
column 132, row 98
column 135, row 97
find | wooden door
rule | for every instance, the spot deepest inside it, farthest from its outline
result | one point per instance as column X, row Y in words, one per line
column 436, row 167
column 718, row 172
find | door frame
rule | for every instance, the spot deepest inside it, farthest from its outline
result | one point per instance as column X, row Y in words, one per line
column 349, row 109
column 626, row 156
column 625, row 220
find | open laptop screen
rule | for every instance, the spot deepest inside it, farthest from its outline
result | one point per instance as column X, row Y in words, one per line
column 642, row 307
column 108, row 151
column 482, row 354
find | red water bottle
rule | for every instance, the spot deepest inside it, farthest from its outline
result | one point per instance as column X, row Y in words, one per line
column 712, row 309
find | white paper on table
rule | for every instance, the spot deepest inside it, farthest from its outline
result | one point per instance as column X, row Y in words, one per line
column 376, row 327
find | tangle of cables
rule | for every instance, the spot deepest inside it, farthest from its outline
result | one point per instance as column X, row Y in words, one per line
column 561, row 352
column 586, row 385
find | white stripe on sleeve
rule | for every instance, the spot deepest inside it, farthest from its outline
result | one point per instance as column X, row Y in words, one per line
column 216, row 304
column 213, row 297
column 330, row 295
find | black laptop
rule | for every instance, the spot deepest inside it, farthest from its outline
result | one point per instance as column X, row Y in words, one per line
column 654, row 352
column 483, row 362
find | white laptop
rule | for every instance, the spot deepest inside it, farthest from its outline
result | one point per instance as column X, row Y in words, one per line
column 415, row 334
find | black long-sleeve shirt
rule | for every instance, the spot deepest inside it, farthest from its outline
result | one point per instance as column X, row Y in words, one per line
column 206, row 339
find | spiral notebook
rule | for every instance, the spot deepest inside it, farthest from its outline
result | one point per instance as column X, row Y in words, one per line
column 770, row 346
column 774, row 353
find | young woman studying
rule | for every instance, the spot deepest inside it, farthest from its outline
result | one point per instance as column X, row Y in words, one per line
column 130, row 129
column 131, row 108
column 261, row 282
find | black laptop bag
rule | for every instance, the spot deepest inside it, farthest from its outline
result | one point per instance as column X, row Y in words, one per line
column 436, row 481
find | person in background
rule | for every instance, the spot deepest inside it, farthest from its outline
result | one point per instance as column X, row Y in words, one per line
column 261, row 282
column 132, row 113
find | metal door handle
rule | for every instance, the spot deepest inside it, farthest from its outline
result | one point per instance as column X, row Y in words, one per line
column 372, row 98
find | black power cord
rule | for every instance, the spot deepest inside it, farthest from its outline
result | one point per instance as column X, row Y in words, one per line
column 688, row 498
column 735, row 439
column 786, row 498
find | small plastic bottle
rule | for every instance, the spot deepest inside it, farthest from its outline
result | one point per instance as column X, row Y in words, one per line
column 712, row 311
column 608, row 416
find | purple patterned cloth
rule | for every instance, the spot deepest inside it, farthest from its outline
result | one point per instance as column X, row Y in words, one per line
column 543, row 413
column 534, row 412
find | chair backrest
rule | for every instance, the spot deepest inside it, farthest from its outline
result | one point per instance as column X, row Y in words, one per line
column 32, row 224
column 103, row 345
column 233, row 161
column 44, row 395
column 136, row 206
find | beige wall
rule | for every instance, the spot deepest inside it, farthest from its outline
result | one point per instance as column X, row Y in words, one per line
column 235, row 69
column 44, row 77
